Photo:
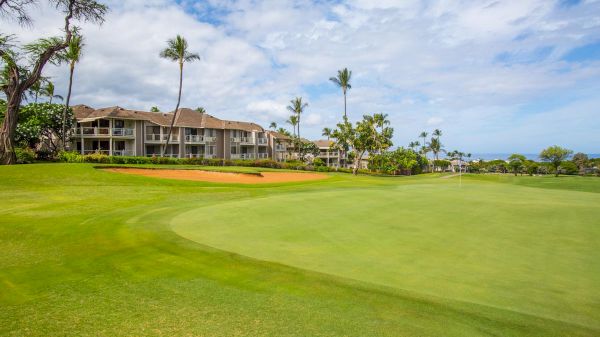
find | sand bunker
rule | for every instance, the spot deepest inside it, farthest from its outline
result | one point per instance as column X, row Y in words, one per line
column 222, row 177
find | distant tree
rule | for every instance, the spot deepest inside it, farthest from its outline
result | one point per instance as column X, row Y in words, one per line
column 273, row 126
column 70, row 55
column 48, row 91
column 436, row 147
column 154, row 109
column 516, row 162
column 581, row 160
column 327, row 133
column 361, row 138
column 36, row 89
column 284, row 131
column 531, row 167
column 177, row 51
column 342, row 80
column 297, row 107
column 200, row 110
column 555, row 155
column 293, row 121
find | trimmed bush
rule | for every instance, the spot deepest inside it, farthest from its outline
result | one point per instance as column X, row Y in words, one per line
column 24, row 155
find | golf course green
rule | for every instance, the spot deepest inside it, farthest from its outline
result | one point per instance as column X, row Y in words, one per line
column 93, row 253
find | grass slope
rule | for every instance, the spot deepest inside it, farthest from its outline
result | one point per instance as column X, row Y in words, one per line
column 92, row 253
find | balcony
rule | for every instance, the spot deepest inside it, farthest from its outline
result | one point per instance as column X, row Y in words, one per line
column 199, row 139
column 247, row 140
column 280, row 148
column 122, row 132
column 262, row 141
column 243, row 156
column 122, row 153
column 329, row 154
column 155, row 137
column 263, row 155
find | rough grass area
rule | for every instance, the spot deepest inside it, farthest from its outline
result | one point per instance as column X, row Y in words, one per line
column 93, row 253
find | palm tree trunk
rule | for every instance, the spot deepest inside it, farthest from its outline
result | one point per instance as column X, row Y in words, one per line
column 176, row 108
column 345, row 115
column 64, row 116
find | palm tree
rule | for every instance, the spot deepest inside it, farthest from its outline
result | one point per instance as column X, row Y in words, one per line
column 381, row 120
column 343, row 81
column 48, row 91
column 424, row 135
column 437, row 133
column 273, row 126
column 327, row 133
column 177, row 51
column 414, row 145
column 297, row 107
column 201, row 110
column 71, row 54
column 37, row 87
column 436, row 147
column 293, row 121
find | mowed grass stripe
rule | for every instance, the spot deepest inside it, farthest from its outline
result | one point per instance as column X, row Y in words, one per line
column 92, row 254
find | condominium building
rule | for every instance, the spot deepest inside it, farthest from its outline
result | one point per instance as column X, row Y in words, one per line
column 330, row 156
column 122, row 132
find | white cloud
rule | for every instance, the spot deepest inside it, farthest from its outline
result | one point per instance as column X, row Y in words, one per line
column 434, row 121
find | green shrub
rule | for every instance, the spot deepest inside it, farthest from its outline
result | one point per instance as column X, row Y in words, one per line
column 321, row 168
column 568, row 167
column 97, row 158
column 24, row 155
column 70, row 157
column 318, row 162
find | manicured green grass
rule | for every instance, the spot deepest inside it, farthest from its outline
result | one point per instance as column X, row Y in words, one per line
column 94, row 253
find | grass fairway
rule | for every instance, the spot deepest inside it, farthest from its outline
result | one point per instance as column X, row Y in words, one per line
column 93, row 253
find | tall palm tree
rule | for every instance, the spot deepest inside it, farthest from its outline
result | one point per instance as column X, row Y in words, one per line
column 381, row 120
column 414, row 145
column 327, row 133
column 293, row 121
column 437, row 133
column 48, row 91
column 424, row 135
column 297, row 107
column 177, row 51
column 273, row 125
column 343, row 81
column 71, row 55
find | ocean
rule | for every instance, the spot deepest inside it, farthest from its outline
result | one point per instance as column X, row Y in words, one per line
column 504, row 156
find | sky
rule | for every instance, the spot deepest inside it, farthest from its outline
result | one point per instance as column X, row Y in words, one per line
column 494, row 76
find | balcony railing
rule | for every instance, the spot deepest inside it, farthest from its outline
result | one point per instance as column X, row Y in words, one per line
column 91, row 131
column 155, row 137
column 122, row 132
column 247, row 140
column 122, row 153
column 199, row 139
column 172, row 155
column 262, row 141
column 106, row 152
column 263, row 155
column 280, row 148
column 329, row 154
column 243, row 156
column 199, row 155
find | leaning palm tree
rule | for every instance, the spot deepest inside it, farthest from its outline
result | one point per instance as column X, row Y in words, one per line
column 177, row 51
column 297, row 107
column 48, row 91
column 71, row 55
column 343, row 81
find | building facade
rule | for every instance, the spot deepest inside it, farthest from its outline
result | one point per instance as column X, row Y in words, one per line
column 117, row 131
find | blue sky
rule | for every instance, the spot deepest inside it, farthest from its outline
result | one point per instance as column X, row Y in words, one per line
column 495, row 76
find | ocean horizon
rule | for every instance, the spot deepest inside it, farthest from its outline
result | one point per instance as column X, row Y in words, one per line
column 504, row 156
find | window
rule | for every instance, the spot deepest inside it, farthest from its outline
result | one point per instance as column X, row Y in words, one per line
column 234, row 150
column 211, row 150
column 119, row 124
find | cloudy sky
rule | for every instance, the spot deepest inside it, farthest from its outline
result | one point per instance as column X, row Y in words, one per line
column 494, row 76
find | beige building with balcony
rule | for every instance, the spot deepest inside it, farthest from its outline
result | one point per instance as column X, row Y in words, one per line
column 121, row 132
